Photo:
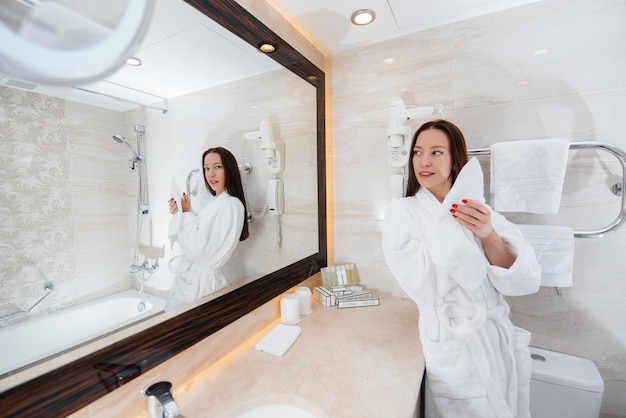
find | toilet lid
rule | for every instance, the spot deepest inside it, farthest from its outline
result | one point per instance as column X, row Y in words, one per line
column 565, row 370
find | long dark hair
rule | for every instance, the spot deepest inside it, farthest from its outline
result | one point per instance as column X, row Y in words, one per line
column 234, row 186
column 458, row 151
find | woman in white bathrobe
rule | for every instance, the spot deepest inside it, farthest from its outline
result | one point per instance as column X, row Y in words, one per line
column 208, row 239
column 456, row 259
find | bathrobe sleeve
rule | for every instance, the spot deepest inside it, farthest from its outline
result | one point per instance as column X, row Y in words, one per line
column 524, row 276
column 405, row 249
column 214, row 232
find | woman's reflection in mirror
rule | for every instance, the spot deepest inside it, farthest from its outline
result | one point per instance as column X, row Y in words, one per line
column 207, row 239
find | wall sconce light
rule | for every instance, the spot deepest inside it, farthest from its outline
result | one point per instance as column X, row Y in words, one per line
column 363, row 17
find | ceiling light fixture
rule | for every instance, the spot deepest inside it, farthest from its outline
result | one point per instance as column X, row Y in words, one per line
column 267, row 47
column 134, row 61
column 363, row 17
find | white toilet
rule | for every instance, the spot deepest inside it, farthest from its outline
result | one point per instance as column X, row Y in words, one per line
column 564, row 386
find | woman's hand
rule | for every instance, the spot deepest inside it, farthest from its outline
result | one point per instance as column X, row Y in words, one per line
column 185, row 203
column 475, row 216
column 173, row 206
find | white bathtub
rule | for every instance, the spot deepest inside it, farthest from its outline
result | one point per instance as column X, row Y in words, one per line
column 43, row 336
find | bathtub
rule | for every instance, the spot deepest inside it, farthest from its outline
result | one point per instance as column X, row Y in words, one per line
column 46, row 335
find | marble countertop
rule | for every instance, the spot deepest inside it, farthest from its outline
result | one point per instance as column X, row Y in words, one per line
column 364, row 362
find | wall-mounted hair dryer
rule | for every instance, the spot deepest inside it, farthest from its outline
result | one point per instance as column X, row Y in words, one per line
column 399, row 134
column 274, row 150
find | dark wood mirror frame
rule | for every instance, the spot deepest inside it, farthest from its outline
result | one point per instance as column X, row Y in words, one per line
column 71, row 387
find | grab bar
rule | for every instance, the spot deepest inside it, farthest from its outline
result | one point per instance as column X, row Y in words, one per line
column 48, row 287
column 621, row 157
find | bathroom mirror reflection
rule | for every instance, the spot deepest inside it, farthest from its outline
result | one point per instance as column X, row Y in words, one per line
column 87, row 174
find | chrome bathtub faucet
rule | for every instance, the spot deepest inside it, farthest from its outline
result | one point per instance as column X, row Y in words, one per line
column 145, row 267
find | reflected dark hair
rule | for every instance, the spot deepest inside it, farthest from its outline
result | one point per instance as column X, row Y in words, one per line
column 458, row 151
column 234, row 186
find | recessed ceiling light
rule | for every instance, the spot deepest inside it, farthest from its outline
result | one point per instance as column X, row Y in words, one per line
column 363, row 17
column 134, row 61
column 267, row 47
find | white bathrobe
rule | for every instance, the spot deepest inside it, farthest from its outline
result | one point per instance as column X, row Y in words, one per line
column 477, row 362
column 207, row 241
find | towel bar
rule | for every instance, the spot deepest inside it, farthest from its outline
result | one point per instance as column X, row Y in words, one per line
column 621, row 157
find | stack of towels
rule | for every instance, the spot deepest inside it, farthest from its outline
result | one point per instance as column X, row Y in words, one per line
column 527, row 176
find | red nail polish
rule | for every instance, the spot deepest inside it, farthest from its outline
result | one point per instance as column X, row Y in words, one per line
column 464, row 200
column 454, row 205
column 452, row 211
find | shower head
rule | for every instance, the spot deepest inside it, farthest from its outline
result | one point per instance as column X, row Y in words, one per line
column 122, row 140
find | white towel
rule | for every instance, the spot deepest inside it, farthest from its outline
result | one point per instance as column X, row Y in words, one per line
column 554, row 247
column 464, row 261
column 279, row 340
column 527, row 175
column 177, row 219
column 175, row 191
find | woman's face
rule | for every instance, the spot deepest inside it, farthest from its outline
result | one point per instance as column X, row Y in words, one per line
column 214, row 172
column 432, row 162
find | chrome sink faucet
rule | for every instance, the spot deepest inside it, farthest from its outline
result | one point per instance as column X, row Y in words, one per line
column 161, row 404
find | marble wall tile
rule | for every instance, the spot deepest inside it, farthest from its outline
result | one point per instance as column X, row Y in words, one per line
column 485, row 73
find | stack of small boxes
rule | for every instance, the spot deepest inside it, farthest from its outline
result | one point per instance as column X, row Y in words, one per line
column 341, row 289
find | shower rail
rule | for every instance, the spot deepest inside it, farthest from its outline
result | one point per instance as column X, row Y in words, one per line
column 48, row 287
column 621, row 157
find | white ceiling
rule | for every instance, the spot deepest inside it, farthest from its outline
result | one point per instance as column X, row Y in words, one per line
column 184, row 51
column 327, row 22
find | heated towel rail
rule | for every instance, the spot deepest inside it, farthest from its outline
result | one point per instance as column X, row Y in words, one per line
column 621, row 157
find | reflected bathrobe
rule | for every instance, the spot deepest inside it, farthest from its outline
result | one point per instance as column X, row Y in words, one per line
column 477, row 362
column 207, row 241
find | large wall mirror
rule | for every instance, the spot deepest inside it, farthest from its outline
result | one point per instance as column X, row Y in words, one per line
column 76, row 216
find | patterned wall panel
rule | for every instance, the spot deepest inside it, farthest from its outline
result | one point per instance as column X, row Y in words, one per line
column 35, row 202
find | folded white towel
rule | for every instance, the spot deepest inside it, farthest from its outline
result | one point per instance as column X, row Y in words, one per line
column 464, row 261
column 554, row 248
column 175, row 191
column 279, row 340
column 527, row 175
